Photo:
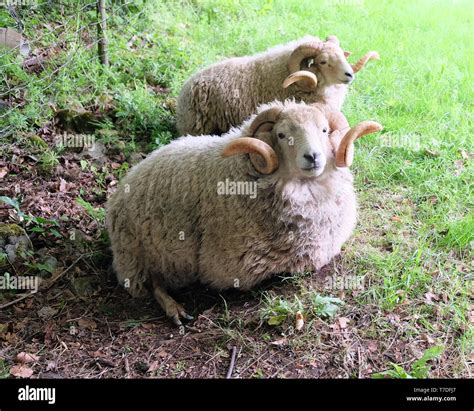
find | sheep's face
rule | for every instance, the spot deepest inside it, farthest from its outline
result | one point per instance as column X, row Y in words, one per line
column 300, row 138
column 331, row 65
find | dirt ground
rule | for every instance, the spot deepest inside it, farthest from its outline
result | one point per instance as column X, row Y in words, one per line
column 80, row 324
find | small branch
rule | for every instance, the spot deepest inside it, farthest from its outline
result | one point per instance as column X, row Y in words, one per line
column 127, row 367
column 53, row 280
column 101, row 33
column 232, row 363
column 16, row 301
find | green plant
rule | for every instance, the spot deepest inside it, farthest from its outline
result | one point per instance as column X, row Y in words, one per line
column 48, row 161
column 4, row 371
column 39, row 225
column 97, row 213
column 325, row 307
column 419, row 369
column 276, row 309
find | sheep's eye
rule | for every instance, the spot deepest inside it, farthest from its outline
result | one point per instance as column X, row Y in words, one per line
column 322, row 63
column 281, row 136
column 325, row 130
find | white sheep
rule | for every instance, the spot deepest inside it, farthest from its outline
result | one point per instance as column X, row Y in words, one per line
column 226, row 93
column 202, row 209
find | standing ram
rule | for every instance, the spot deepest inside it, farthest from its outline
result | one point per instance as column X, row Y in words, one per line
column 226, row 93
column 171, row 223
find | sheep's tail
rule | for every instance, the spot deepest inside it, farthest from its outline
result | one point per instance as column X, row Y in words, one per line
column 371, row 55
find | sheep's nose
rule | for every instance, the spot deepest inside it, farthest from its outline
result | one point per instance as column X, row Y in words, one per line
column 312, row 158
column 350, row 75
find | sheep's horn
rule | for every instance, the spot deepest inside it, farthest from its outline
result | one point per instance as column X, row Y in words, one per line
column 345, row 151
column 302, row 52
column 267, row 118
column 310, row 79
column 250, row 145
column 337, row 121
column 371, row 55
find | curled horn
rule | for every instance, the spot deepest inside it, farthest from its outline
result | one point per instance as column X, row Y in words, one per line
column 262, row 155
column 345, row 150
column 299, row 54
column 251, row 145
column 371, row 55
column 310, row 79
column 267, row 117
column 337, row 121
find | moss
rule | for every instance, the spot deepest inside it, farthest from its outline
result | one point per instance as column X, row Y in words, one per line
column 3, row 260
column 13, row 234
column 11, row 230
column 38, row 142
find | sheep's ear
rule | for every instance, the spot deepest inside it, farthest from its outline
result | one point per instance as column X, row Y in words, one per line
column 333, row 39
column 347, row 54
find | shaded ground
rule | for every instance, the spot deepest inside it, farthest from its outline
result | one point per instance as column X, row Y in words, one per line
column 102, row 332
column 81, row 324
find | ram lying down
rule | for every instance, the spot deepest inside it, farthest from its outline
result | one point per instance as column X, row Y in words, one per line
column 171, row 225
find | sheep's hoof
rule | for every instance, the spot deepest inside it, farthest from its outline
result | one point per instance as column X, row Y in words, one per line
column 176, row 311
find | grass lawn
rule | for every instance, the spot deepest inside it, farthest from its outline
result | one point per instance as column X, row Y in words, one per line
column 411, row 255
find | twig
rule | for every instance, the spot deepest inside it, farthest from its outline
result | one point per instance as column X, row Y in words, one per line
column 16, row 301
column 53, row 280
column 232, row 363
column 127, row 367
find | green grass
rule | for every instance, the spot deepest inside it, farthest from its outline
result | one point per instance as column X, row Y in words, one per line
column 416, row 190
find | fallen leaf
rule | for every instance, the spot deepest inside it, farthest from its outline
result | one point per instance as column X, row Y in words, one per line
column 153, row 366
column 429, row 297
column 62, row 185
column 87, row 323
column 46, row 312
column 21, row 371
column 459, row 164
column 396, row 219
column 51, row 366
column 25, row 358
column 280, row 342
column 372, row 346
column 430, row 340
column 466, row 156
column 3, row 172
column 343, row 321
column 471, row 315
column 432, row 153
column 299, row 323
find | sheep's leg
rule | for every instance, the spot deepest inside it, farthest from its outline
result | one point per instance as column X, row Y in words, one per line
column 172, row 309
